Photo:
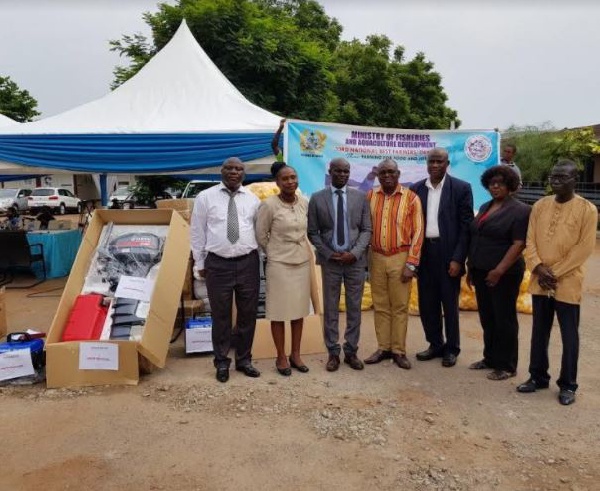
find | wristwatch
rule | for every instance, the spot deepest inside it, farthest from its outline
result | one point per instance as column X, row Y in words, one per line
column 411, row 267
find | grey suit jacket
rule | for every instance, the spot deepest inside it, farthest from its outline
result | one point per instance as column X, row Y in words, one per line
column 321, row 222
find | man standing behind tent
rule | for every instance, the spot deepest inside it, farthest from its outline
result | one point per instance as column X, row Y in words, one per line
column 448, row 208
column 225, row 253
column 396, row 243
column 339, row 226
column 560, row 238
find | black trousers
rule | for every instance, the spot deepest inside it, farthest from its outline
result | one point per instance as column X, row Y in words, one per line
column 223, row 278
column 498, row 316
column 568, row 320
column 438, row 292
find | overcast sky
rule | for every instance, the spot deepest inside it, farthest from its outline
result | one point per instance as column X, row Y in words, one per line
column 502, row 61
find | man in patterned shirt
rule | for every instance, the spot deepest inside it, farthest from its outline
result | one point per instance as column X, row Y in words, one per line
column 398, row 231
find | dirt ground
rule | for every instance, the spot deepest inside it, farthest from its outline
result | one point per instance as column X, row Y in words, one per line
column 430, row 428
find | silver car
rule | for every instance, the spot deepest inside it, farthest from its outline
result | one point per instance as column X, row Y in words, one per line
column 14, row 197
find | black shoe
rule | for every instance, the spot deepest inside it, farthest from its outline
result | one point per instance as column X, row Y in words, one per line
column 378, row 357
column 354, row 362
column 449, row 360
column 531, row 386
column 300, row 368
column 479, row 365
column 223, row 374
column 566, row 397
column 286, row 372
column 333, row 363
column 429, row 354
column 248, row 370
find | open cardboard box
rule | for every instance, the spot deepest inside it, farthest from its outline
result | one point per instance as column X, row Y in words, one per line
column 312, row 332
column 62, row 365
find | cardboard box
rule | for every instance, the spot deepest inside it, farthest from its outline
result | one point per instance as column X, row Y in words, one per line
column 183, row 206
column 3, row 323
column 198, row 335
column 63, row 358
column 312, row 332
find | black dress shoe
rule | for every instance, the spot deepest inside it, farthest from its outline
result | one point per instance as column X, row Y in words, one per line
column 300, row 368
column 449, row 360
column 429, row 354
column 248, row 370
column 354, row 362
column 378, row 357
column 566, row 397
column 531, row 386
column 223, row 374
column 333, row 363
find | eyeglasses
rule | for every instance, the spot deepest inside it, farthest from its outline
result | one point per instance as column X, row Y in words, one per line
column 496, row 183
column 560, row 178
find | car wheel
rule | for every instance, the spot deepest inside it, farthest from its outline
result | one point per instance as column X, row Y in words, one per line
column 127, row 206
column 79, row 208
column 62, row 209
column 33, row 211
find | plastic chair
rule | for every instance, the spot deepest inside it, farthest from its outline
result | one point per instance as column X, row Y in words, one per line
column 16, row 252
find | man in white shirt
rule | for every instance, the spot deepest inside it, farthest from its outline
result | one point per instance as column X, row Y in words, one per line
column 225, row 253
column 448, row 209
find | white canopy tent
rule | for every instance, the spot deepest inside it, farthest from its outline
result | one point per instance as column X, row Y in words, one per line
column 178, row 114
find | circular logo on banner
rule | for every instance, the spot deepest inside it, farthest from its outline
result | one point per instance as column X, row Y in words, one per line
column 478, row 148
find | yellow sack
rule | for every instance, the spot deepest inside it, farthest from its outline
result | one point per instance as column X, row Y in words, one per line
column 413, row 300
column 466, row 299
column 263, row 190
column 366, row 302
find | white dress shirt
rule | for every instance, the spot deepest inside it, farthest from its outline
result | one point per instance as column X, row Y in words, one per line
column 434, row 195
column 208, row 232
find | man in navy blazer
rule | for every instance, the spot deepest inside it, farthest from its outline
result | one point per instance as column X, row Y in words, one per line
column 448, row 209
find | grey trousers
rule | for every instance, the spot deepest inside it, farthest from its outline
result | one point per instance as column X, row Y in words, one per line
column 353, row 278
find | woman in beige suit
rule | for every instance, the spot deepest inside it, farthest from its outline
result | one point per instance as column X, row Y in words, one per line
column 281, row 233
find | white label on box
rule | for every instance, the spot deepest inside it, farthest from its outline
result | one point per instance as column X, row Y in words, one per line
column 198, row 340
column 135, row 288
column 15, row 364
column 98, row 356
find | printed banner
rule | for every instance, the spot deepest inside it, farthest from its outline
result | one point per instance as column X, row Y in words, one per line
column 311, row 146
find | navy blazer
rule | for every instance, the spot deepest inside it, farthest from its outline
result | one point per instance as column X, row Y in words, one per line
column 454, row 217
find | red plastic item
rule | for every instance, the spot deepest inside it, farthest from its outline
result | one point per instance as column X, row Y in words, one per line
column 86, row 319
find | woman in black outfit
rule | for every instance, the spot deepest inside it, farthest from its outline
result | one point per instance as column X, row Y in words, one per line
column 496, row 268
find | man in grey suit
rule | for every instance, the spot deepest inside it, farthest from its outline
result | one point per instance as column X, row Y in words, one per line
column 339, row 226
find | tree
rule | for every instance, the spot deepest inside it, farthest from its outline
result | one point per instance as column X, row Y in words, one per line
column 540, row 147
column 286, row 56
column 376, row 90
column 16, row 103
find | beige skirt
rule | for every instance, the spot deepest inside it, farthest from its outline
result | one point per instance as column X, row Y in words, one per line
column 288, row 291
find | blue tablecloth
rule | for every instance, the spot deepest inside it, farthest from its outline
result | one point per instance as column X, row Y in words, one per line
column 60, row 249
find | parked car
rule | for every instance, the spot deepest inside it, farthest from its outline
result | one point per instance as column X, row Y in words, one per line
column 193, row 188
column 136, row 200
column 58, row 199
column 120, row 194
column 14, row 197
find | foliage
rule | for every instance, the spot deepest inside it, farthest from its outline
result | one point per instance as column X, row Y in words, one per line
column 375, row 89
column 540, row 147
column 16, row 103
column 286, row 56
column 146, row 187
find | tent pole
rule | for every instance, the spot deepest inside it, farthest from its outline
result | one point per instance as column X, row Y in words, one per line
column 103, row 189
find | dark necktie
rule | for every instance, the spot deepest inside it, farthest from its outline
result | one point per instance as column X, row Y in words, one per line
column 341, row 239
column 233, row 228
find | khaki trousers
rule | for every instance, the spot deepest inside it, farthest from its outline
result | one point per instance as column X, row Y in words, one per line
column 390, row 301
